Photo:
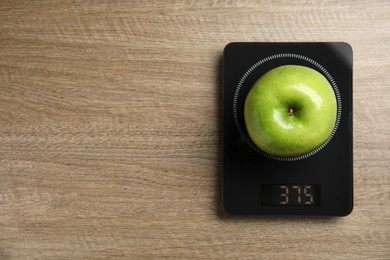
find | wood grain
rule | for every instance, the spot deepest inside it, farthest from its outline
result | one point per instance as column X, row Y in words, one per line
column 110, row 129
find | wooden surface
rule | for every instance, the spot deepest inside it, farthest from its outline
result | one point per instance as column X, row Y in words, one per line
column 110, row 129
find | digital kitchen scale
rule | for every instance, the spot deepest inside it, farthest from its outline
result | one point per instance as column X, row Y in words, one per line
column 256, row 183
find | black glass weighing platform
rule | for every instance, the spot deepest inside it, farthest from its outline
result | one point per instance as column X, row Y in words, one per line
column 256, row 183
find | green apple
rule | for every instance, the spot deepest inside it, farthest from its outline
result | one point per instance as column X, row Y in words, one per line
column 290, row 111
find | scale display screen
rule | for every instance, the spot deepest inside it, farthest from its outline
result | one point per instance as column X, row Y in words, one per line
column 290, row 195
column 254, row 182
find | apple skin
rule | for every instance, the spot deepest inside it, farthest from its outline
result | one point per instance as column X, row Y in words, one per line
column 290, row 111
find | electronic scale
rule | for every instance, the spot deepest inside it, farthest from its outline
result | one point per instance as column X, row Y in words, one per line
column 256, row 183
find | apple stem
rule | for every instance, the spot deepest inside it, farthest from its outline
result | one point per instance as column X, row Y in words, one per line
column 290, row 111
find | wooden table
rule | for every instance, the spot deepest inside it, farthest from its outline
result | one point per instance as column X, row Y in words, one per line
column 110, row 116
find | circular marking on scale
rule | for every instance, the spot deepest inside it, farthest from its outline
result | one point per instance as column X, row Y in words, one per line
column 243, row 134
